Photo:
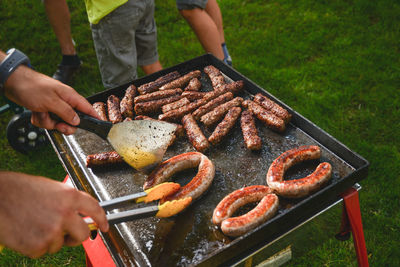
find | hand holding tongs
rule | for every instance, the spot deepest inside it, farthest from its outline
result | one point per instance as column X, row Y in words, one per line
column 167, row 209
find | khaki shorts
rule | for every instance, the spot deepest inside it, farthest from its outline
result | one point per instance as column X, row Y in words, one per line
column 123, row 39
column 191, row 4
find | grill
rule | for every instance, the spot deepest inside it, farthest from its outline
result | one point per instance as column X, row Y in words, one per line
column 190, row 238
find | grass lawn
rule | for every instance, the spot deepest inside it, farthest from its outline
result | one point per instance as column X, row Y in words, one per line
column 335, row 62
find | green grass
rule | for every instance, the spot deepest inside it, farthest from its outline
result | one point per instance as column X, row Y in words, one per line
column 336, row 62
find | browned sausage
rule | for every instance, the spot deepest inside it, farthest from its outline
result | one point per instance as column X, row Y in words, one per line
column 194, row 85
column 154, row 85
column 176, row 115
column 299, row 187
column 192, row 95
column 270, row 105
column 234, row 88
column 101, row 109
column 103, row 159
column 114, row 113
column 127, row 102
column 215, row 75
column 154, row 106
column 211, row 105
column 196, row 187
column 174, row 105
column 219, row 112
column 249, row 130
column 225, row 125
column 269, row 119
column 181, row 81
column 157, row 95
column 194, row 133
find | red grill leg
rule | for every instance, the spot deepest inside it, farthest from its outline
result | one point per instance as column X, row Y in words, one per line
column 351, row 221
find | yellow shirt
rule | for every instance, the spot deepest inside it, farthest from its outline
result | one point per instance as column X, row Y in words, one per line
column 98, row 9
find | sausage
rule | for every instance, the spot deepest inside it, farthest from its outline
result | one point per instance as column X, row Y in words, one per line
column 269, row 119
column 114, row 113
column 176, row 114
column 103, row 159
column 181, row 81
column 157, row 95
column 215, row 75
column 101, row 109
column 266, row 209
column 126, row 105
column 196, row 187
column 235, row 88
column 217, row 113
column 179, row 128
column 192, row 95
column 194, row 133
column 194, row 85
column 273, row 107
column 225, row 125
column 249, row 131
column 154, row 106
column 238, row 198
column 174, row 105
column 299, row 187
column 211, row 105
column 154, row 85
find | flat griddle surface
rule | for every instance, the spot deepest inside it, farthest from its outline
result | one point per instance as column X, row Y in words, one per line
column 190, row 237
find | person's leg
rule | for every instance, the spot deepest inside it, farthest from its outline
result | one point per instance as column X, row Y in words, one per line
column 59, row 17
column 205, row 29
column 212, row 8
column 146, row 41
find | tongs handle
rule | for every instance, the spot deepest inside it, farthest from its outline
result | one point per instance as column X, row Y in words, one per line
column 119, row 201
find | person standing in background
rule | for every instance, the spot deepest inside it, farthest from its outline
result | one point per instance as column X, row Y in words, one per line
column 205, row 18
column 125, row 35
column 60, row 20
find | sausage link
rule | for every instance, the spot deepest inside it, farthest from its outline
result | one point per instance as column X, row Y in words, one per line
column 249, row 130
column 194, row 133
column 154, row 85
column 192, row 95
column 270, row 105
column 154, row 106
column 299, row 187
column 114, row 113
column 176, row 115
column 211, row 105
column 101, row 109
column 127, row 102
column 234, row 87
column 196, row 187
column 218, row 113
column 225, row 125
column 157, row 95
column 269, row 119
column 266, row 209
column 215, row 75
column 174, row 105
column 181, row 81
column 194, row 85
column 103, row 159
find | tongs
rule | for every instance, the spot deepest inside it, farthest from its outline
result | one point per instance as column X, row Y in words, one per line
column 166, row 209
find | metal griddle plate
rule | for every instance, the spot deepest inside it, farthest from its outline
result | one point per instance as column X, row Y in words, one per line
column 190, row 238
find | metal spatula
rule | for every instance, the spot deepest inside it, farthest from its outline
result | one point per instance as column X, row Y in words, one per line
column 141, row 143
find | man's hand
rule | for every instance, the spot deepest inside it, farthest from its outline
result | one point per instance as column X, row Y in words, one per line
column 39, row 215
column 42, row 94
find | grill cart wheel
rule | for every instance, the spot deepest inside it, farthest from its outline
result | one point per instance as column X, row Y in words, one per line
column 22, row 135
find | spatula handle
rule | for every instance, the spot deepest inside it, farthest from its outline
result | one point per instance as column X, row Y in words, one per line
column 91, row 124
